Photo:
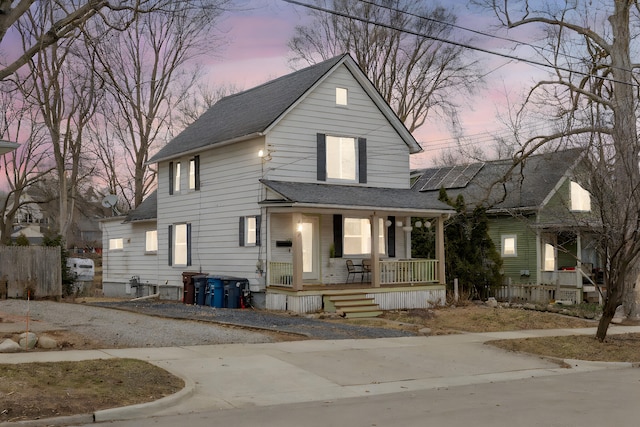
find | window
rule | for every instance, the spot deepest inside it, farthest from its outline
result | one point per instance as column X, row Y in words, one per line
column 180, row 244
column 509, row 246
column 342, row 158
column 194, row 173
column 357, row 236
column 249, row 234
column 151, row 244
column 549, row 257
column 115, row 244
column 341, row 96
column 580, row 198
column 176, row 178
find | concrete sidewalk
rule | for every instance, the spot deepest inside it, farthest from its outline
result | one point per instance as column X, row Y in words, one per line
column 240, row 375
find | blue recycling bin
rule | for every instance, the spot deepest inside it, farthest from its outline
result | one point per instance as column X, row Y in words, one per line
column 216, row 291
column 200, row 283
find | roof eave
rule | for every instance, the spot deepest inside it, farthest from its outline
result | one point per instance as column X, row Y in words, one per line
column 154, row 160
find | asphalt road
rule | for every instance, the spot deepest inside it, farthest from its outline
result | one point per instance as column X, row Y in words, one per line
column 600, row 398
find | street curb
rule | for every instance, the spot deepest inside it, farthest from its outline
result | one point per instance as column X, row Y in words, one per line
column 142, row 410
column 56, row 421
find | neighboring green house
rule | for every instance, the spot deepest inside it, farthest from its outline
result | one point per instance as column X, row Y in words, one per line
column 540, row 221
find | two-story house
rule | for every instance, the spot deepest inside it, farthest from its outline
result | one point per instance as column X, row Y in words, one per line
column 283, row 184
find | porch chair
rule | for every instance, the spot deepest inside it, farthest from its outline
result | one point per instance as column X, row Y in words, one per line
column 354, row 270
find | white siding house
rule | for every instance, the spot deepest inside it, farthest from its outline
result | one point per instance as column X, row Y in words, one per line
column 281, row 184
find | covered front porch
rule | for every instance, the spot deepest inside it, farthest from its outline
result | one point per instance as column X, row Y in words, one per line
column 317, row 256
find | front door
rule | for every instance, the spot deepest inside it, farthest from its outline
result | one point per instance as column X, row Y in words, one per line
column 310, row 248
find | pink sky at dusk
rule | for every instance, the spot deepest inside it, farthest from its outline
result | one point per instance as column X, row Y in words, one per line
column 257, row 52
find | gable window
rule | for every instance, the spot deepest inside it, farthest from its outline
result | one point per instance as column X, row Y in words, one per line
column 341, row 96
column 342, row 158
column 116, row 244
column 249, row 232
column 176, row 178
column 580, row 198
column 357, row 236
column 194, row 173
column 509, row 245
column 180, row 244
column 151, row 243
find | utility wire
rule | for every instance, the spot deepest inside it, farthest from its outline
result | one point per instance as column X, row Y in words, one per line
column 455, row 43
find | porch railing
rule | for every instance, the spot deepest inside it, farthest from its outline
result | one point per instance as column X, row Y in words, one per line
column 281, row 274
column 408, row 271
column 416, row 271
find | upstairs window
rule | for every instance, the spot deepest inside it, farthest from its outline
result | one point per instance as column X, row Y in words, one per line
column 342, row 158
column 341, row 96
column 580, row 198
column 174, row 177
column 194, row 173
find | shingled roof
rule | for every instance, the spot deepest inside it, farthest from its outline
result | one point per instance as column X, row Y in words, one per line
column 250, row 113
column 526, row 186
column 355, row 197
column 147, row 210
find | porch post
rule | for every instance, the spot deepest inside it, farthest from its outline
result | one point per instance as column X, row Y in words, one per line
column 407, row 238
column 296, row 250
column 442, row 278
column 578, row 259
column 375, row 251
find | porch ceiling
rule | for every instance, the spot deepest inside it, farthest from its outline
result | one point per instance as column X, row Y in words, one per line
column 351, row 196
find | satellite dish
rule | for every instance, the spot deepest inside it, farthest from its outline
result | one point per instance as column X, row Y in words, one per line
column 110, row 202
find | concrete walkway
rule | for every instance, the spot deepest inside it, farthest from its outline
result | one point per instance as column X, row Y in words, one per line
column 240, row 375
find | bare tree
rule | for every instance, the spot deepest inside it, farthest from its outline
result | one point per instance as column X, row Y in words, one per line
column 64, row 93
column 146, row 77
column 27, row 164
column 396, row 44
column 591, row 96
column 72, row 15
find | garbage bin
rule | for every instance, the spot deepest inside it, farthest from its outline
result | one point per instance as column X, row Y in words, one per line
column 232, row 294
column 216, row 291
column 189, row 291
column 200, row 283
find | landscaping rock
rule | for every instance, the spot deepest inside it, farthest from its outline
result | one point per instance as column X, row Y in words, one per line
column 619, row 316
column 47, row 343
column 491, row 302
column 9, row 346
column 529, row 306
column 27, row 340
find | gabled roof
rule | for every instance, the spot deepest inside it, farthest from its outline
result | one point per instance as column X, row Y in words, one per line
column 255, row 111
column 353, row 197
column 527, row 186
column 147, row 210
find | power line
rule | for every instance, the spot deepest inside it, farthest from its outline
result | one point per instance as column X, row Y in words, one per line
column 455, row 43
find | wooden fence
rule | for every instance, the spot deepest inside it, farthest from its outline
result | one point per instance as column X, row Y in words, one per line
column 36, row 268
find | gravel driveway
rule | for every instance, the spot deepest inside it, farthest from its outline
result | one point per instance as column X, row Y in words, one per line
column 164, row 324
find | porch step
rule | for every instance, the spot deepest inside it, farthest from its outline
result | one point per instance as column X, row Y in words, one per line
column 353, row 305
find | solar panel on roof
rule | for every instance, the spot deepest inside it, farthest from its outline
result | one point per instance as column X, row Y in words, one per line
column 450, row 177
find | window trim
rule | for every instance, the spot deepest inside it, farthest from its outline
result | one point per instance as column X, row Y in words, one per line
column 360, row 159
column 243, row 229
column 146, row 242
column 503, row 239
column 342, row 96
column 172, row 230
